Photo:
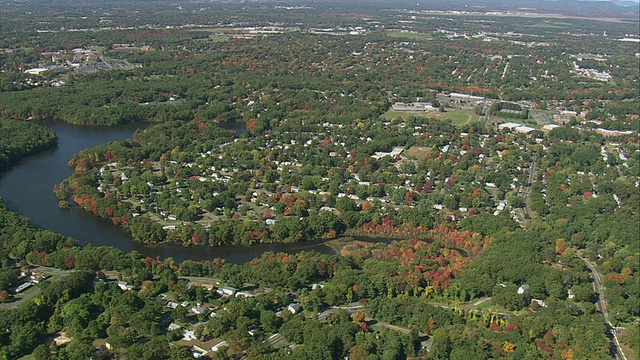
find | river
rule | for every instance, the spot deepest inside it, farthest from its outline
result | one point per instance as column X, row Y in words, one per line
column 27, row 189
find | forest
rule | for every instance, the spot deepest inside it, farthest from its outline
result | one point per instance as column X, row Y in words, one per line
column 19, row 139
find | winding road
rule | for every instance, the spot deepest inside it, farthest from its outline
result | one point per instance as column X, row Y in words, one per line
column 601, row 305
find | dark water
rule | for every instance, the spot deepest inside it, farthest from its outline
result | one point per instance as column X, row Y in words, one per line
column 27, row 189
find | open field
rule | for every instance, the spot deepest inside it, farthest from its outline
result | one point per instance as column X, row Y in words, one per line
column 215, row 38
column 461, row 117
column 457, row 117
column 408, row 35
column 418, row 152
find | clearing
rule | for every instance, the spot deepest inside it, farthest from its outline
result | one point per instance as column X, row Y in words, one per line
column 457, row 117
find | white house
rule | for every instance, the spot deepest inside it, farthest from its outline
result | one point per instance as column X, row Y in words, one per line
column 227, row 290
column 219, row 345
column 523, row 288
column 189, row 335
column 172, row 305
column 124, row 285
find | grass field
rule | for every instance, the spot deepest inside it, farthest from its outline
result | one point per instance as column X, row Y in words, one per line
column 408, row 35
column 215, row 38
column 461, row 117
column 457, row 117
column 418, row 152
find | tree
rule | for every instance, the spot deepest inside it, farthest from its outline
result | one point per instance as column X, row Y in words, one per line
column 41, row 352
column 269, row 321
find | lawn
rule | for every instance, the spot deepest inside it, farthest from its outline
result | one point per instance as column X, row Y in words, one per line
column 457, row 117
column 408, row 35
column 418, row 152
column 215, row 38
column 461, row 117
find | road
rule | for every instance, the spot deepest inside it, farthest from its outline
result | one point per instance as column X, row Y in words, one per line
column 601, row 305
column 527, row 190
column 33, row 292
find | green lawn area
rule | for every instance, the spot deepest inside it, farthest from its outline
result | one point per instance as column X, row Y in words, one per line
column 418, row 152
column 461, row 117
column 408, row 35
column 457, row 117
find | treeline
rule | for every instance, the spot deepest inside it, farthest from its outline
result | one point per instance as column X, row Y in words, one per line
column 21, row 138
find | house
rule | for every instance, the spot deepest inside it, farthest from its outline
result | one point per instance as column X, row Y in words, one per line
column 198, row 310
column 172, row 305
column 227, row 291
column 23, row 287
column 173, row 326
column 124, row 285
column 244, row 294
column 541, row 303
column 38, row 277
column 219, row 345
column 294, row 308
column 35, row 71
column 189, row 335
column 523, row 288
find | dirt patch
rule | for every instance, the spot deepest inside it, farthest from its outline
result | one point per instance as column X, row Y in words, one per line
column 61, row 339
column 418, row 152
